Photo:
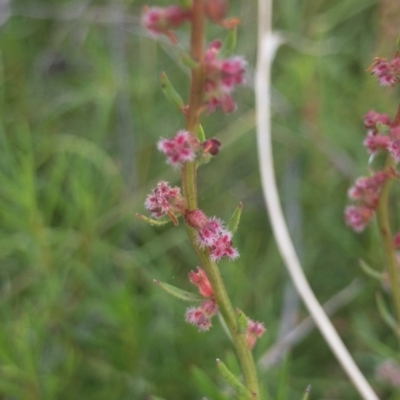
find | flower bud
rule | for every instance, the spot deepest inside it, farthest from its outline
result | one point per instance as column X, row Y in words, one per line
column 216, row 10
column 196, row 219
column 211, row 146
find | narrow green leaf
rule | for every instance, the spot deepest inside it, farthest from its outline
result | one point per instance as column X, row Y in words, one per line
column 170, row 93
column 398, row 43
column 306, row 393
column 153, row 222
column 230, row 43
column 232, row 381
column 178, row 293
column 370, row 271
column 188, row 61
column 384, row 312
column 202, row 136
column 235, row 219
column 242, row 320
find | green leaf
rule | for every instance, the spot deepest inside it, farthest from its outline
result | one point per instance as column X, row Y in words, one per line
column 233, row 382
column 242, row 320
column 170, row 93
column 370, row 271
column 306, row 393
column 230, row 43
column 235, row 219
column 207, row 386
column 178, row 293
column 153, row 222
column 188, row 61
column 385, row 314
column 202, row 136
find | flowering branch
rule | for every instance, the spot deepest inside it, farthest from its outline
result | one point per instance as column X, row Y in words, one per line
column 372, row 194
column 267, row 45
column 212, row 81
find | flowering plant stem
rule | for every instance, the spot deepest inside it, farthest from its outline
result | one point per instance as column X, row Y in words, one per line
column 189, row 186
column 387, row 237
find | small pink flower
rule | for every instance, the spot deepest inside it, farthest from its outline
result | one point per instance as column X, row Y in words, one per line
column 387, row 72
column 165, row 200
column 358, row 217
column 394, row 144
column 180, row 149
column 375, row 142
column 371, row 118
column 367, row 189
column 210, row 232
column 394, row 149
column 254, row 331
column 161, row 21
column 389, row 372
column 211, row 146
column 222, row 76
column 216, row 10
column 200, row 279
column 196, row 317
column 222, row 247
column 196, row 219
column 201, row 316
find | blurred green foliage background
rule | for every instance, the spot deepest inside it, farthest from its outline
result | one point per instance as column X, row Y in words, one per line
column 81, row 111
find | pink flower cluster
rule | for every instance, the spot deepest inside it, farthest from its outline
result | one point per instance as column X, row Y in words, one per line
column 365, row 191
column 165, row 200
column 179, row 149
column 201, row 316
column 375, row 140
column 212, row 234
column 222, row 76
column 387, row 72
column 254, row 331
column 161, row 21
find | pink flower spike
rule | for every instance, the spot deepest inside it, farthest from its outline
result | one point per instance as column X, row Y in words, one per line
column 254, row 331
column 200, row 279
column 181, row 148
column 358, row 217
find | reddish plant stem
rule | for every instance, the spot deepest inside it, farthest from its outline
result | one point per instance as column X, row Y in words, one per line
column 383, row 218
column 189, row 187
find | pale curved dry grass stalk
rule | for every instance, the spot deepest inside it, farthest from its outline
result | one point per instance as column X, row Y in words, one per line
column 268, row 42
